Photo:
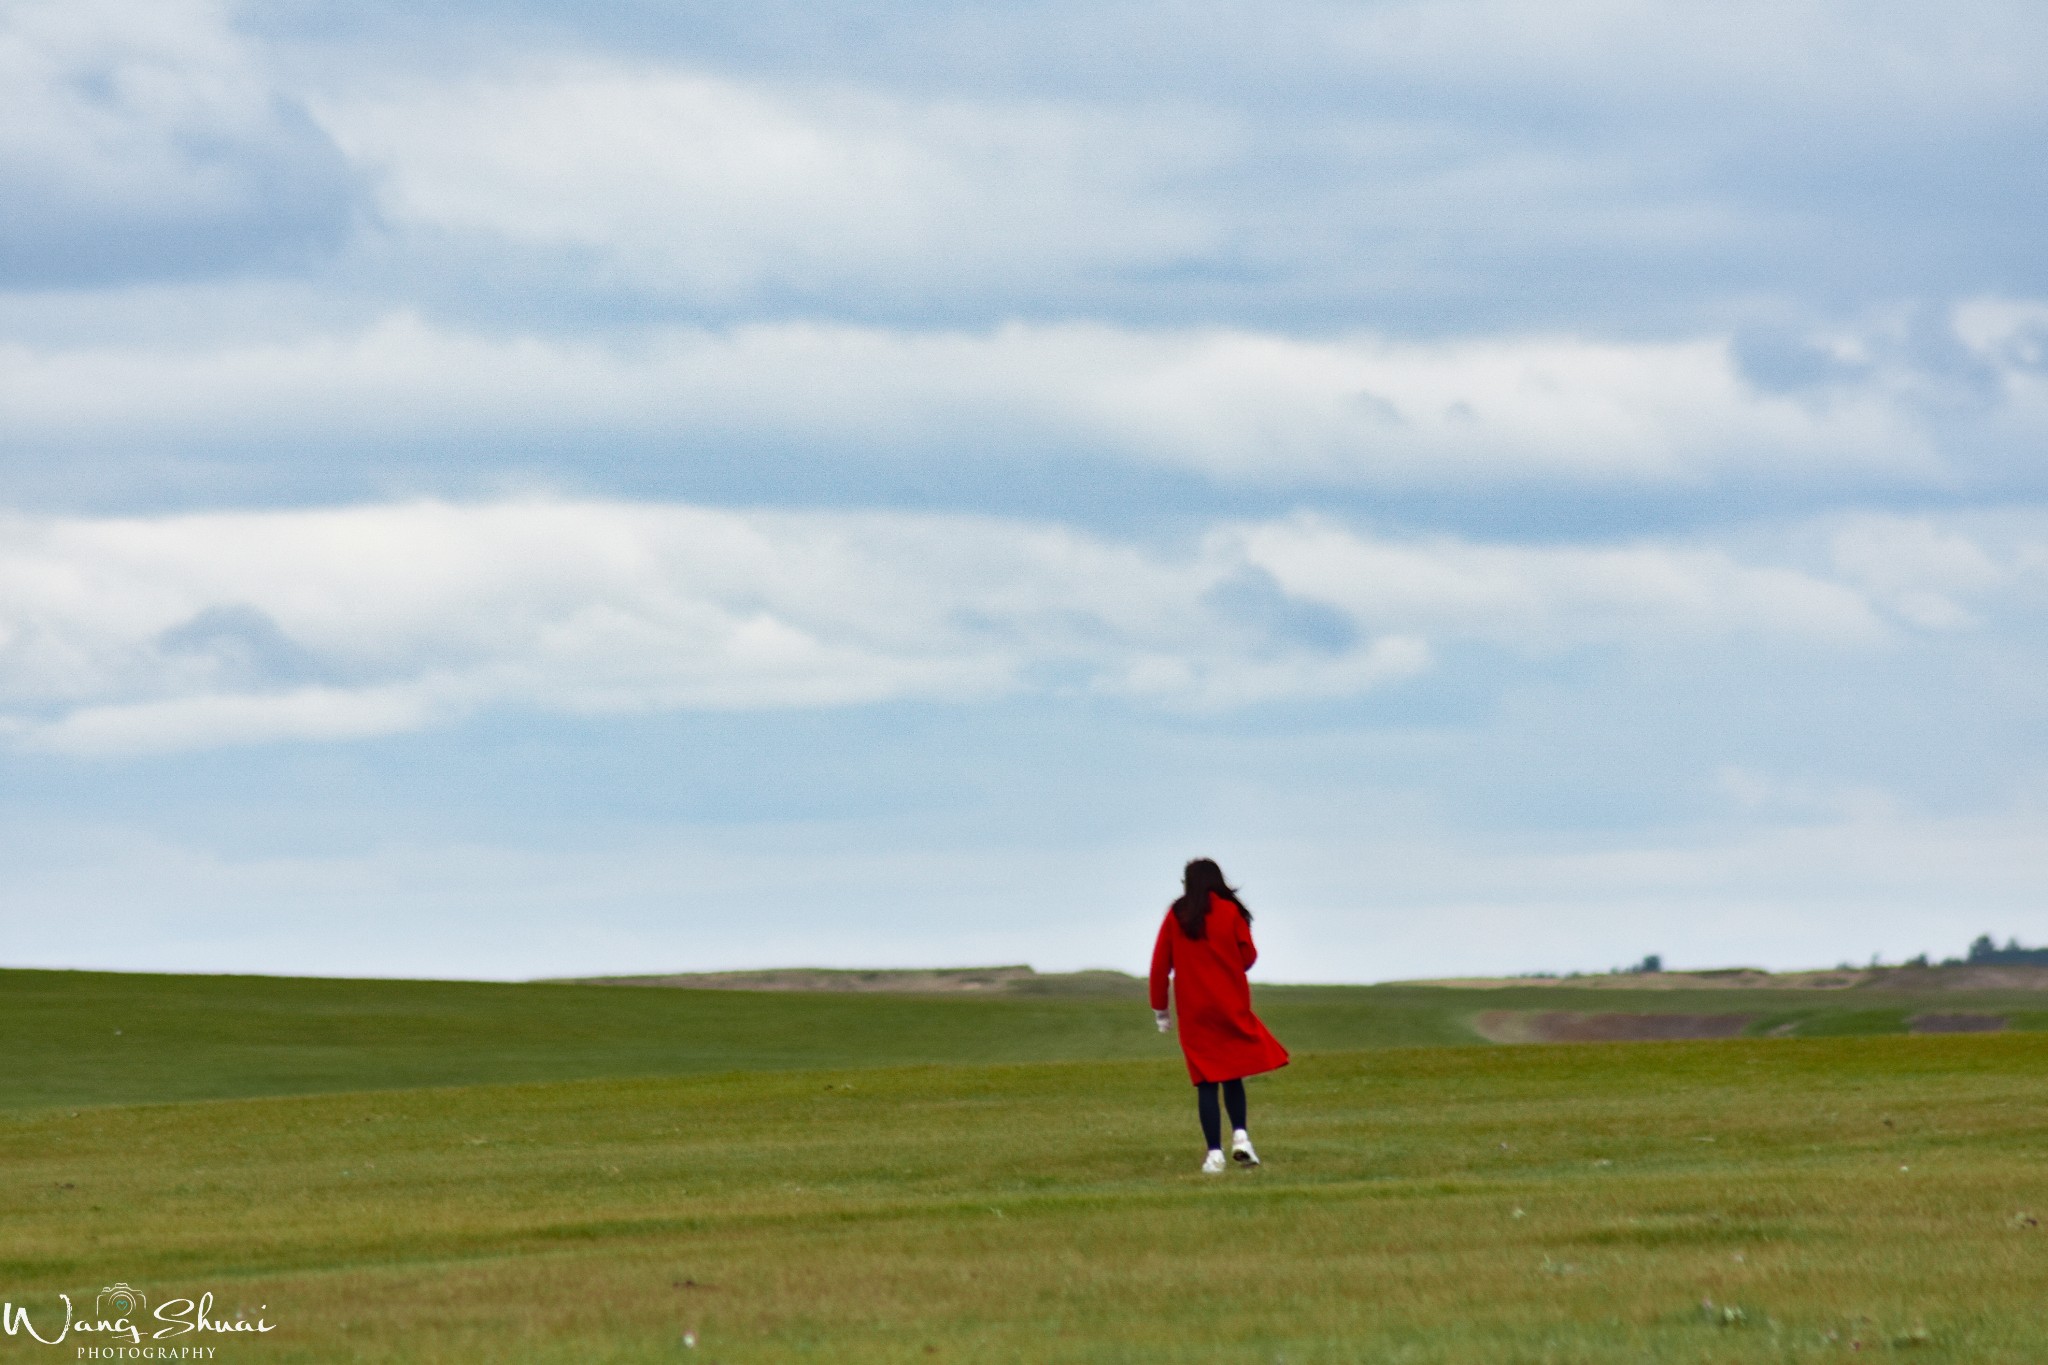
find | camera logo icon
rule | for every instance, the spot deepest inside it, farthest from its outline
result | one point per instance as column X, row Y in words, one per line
column 119, row 1300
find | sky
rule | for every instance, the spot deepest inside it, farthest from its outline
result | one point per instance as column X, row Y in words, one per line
column 532, row 490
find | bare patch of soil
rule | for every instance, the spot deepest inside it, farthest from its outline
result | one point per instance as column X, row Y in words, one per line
column 1561, row 1026
column 1729, row 979
column 1967, row 978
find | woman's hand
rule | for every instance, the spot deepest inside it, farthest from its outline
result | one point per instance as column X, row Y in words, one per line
column 1164, row 1020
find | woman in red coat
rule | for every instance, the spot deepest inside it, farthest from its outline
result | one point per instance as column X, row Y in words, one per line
column 1205, row 946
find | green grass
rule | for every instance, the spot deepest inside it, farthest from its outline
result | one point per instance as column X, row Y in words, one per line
column 98, row 1037
column 1419, row 1204
column 94, row 1037
column 106, row 1037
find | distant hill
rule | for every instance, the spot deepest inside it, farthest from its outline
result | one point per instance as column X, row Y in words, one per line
column 1993, row 974
column 1950, row 976
column 1012, row 980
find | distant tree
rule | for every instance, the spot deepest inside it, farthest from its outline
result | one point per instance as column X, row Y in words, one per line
column 1985, row 952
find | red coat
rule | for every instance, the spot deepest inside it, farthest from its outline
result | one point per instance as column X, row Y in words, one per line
column 1221, row 1036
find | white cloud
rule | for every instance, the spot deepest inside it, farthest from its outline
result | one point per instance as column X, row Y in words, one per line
column 1362, row 409
column 1917, row 569
column 131, row 634
column 691, row 183
column 1238, row 406
column 147, row 141
column 2013, row 330
column 1756, row 792
column 710, row 181
column 209, row 721
column 140, row 633
column 1553, row 597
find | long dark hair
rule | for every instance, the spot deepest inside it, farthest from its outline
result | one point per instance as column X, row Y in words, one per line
column 1200, row 880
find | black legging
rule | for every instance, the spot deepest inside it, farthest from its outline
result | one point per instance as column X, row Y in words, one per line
column 1205, row 1105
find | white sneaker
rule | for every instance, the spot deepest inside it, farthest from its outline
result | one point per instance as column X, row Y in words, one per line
column 1241, row 1150
column 1213, row 1163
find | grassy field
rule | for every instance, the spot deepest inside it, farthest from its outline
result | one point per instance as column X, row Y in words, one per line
column 403, row 1171
column 109, row 1037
